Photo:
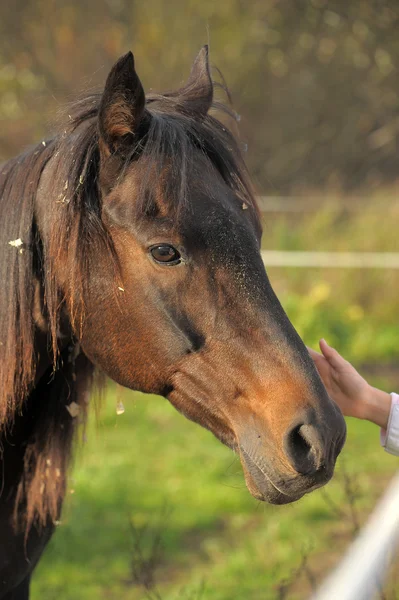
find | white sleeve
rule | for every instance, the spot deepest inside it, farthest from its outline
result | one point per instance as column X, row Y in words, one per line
column 390, row 437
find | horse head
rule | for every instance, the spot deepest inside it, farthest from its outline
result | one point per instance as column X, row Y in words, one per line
column 169, row 294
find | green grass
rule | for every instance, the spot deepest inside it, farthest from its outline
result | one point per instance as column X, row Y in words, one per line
column 166, row 474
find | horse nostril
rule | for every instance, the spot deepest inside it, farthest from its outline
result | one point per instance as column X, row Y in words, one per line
column 304, row 449
column 166, row 390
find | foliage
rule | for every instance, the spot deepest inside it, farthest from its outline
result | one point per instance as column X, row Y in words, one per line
column 316, row 81
column 354, row 309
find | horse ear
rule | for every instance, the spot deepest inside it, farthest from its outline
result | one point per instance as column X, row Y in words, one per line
column 195, row 98
column 122, row 104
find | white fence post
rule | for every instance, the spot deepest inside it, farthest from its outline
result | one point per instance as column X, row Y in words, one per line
column 362, row 571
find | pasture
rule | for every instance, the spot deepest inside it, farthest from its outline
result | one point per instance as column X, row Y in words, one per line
column 158, row 508
column 170, row 478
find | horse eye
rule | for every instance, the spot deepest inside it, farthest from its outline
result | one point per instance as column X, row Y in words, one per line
column 165, row 254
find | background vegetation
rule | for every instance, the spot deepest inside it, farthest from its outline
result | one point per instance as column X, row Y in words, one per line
column 157, row 507
column 315, row 80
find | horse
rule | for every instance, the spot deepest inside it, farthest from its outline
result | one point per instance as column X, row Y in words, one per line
column 131, row 247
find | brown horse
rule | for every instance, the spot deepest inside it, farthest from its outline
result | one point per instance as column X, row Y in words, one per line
column 130, row 244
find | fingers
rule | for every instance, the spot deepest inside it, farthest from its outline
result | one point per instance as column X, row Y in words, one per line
column 315, row 355
column 333, row 357
column 319, row 360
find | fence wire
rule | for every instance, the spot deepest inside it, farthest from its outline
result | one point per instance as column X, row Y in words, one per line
column 331, row 260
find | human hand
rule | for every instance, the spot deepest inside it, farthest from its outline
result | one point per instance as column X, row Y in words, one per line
column 354, row 396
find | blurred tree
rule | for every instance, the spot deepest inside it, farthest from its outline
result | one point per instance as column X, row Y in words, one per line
column 316, row 81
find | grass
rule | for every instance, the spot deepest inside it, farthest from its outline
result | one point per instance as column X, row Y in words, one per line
column 168, row 476
column 150, row 473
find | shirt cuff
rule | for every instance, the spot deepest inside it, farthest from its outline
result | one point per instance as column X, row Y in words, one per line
column 390, row 437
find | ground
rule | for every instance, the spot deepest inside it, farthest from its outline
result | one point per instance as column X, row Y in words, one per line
column 151, row 474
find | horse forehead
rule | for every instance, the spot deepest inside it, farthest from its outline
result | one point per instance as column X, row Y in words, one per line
column 218, row 218
column 208, row 210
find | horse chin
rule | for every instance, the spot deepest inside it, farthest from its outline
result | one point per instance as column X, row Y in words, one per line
column 269, row 493
column 261, row 487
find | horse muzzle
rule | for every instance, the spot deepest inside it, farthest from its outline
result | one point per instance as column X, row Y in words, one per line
column 304, row 461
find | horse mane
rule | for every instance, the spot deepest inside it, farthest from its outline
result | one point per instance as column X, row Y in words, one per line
column 169, row 138
column 19, row 179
